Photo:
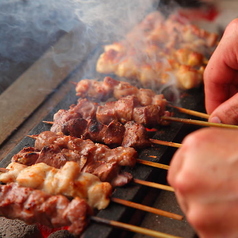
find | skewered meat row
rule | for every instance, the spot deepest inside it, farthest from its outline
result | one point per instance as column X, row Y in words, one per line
column 102, row 123
column 128, row 108
column 80, row 121
column 123, row 110
column 35, row 206
column 56, row 149
column 114, row 133
column 68, row 181
column 49, row 141
column 109, row 87
column 74, row 125
column 160, row 51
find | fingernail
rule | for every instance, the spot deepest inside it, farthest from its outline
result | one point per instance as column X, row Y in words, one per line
column 215, row 120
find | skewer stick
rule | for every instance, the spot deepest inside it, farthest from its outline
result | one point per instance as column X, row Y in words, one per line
column 132, row 228
column 3, row 170
column 168, row 143
column 159, row 142
column 153, row 156
column 147, row 208
column 190, row 112
column 153, row 185
column 74, row 83
column 199, row 123
column 33, row 136
column 49, row 122
column 145, row 162
column 153, row 164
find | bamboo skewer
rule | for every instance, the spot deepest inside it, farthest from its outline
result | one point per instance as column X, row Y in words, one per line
column 132, row 228
column 199, row 123
column 153, row 185
column 168, row 143
column 140, row 161
column 153, row 164
column 147, row 208
column 33, row 136
column 48, row 122
column 153, row 156
column 190, row 112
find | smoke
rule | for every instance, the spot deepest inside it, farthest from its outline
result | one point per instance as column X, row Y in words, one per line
column 27, row 27
column 113, row 18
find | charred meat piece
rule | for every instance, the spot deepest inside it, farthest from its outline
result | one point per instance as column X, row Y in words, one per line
column 135, row 136
column 74, row 119
column 27, row 155
column 35, row 206
column 111, row 134
column 56, row 157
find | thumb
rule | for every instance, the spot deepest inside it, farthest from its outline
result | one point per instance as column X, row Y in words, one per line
column 227, row 112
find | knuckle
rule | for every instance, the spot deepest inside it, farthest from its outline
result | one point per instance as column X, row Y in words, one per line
column 183, row 182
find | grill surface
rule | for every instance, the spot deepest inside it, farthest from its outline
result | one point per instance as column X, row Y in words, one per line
column 141, row 194
column 60, row 94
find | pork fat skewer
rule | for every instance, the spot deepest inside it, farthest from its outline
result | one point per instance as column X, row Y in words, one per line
column 68, row 181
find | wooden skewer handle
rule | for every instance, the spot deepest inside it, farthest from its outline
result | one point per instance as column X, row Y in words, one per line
column 167, row 143
column 147, row 208
column 154, row 185
column 153, row 164
column 199, row 123
column 133, row 228
column 191, row 112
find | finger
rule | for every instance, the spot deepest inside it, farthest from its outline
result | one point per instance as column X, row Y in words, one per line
column 184, row 158
column 227, row 112
column 221, row 70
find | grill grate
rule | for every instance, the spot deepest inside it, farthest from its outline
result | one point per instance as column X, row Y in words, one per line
column 175, row 132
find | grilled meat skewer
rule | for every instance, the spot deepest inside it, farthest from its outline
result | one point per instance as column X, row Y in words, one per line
column 111, row 88
column 108, row 123
column 68, row 181
column 35, row 206
column 97, row 159
column 113, row 134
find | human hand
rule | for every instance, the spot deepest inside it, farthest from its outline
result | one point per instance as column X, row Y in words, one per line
column 204, row 175
column 221, row 78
